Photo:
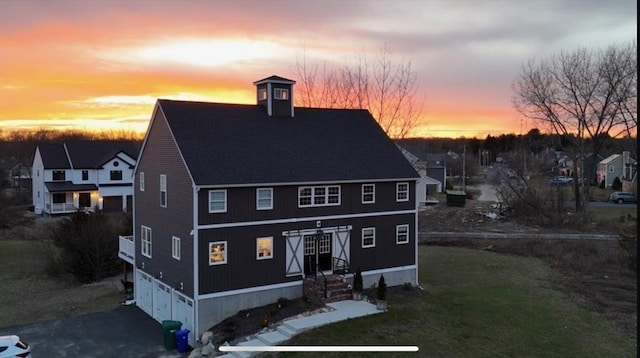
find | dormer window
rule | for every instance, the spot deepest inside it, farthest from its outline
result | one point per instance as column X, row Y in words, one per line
column 262, row 94
column 281, row 93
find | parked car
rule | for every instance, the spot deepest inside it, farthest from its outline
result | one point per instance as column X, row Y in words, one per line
column 13, row 347
column 561, row 180
column 623, row 197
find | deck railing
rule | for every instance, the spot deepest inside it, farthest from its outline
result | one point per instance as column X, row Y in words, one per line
column 127, row 249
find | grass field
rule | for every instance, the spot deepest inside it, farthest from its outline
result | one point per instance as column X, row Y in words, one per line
column 28, row 295
column 480, row 304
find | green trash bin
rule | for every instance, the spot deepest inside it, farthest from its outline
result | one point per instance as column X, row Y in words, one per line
column 169, row 329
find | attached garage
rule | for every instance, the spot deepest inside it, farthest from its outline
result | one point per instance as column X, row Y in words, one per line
column 112, row 204
column 184, row 312
column 144, row 292
column 161, row 301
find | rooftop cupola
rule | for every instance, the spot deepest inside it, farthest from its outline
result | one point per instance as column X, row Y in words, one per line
column 275, row 93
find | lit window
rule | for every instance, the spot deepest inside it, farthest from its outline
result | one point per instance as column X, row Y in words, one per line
column 264, row 248
column 218, row 253
column 141, row 181
column 175, row 248
column 264, row 199
column 145, row 241
column 368, row 193
column 368, row 237
column 402, row 192
column 402, row 234
column 163, row 190
column 262, row 94
column 281, row 93
column 217, row 201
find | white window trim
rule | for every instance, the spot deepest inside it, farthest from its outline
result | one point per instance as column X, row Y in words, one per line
column 262, row 94
column 270, row 207
column 141, row 181
column 226, row 253
column 398, row 227
column 277, row 93
column 145, row 239
column 373, row 194
column 373, row 244
column 224, row 191
column 270, row 238
column 326, row 196
column 398, row 185
column 163, row 189
column 175, row 247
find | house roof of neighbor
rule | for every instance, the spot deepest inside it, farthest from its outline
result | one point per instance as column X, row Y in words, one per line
column 84, row 154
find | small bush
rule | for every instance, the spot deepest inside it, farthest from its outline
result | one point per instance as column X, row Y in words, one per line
column 617, row 184
column 381, row 292
column 357, row 280
column 602, row 185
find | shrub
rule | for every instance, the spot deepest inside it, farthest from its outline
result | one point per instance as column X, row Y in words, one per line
column 617, row 184
column 602, row 185
column 357, row 280
column 382, row 289
column 88, row 245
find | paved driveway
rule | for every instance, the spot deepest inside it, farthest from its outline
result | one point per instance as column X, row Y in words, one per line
column 123, row 332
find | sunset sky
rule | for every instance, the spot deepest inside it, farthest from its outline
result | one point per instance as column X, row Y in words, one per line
column 102, row 64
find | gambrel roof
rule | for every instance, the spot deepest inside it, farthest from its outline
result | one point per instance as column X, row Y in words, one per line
column 226, row 144
column 85, row 154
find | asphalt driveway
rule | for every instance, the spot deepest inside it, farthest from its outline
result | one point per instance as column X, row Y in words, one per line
column 123, row 332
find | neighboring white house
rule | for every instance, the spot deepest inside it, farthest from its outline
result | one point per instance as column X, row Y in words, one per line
column 83, row 175
column 425, row 181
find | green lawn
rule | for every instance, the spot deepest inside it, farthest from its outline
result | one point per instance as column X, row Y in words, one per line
column 479, row 304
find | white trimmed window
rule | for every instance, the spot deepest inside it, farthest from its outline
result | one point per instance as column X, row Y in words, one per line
column 264, row 199
column 141, row 181
column 402, row 192
column 309, row 196
column 281, row 93
column 264, row 248
column 145, row 241
column 368, row 237
column 163, row 190
column 175, row 247
column 368, row 193
column 262, row 94
column 402, row 234
column 217, row 201
column 217, row 253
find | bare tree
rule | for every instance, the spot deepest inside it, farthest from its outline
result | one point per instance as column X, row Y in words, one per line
column 388, row 89
column 586, row 96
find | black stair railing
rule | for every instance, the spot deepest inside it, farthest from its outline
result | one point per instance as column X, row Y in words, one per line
column 340, row 266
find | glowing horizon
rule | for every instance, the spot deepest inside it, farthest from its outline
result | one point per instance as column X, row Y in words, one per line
column 93, row 66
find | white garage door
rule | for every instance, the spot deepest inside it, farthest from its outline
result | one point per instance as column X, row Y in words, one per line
column 161, row 301
column 183, row 311
column 144, row 292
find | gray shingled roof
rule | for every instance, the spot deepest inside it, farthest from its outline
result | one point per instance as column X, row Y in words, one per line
column 240, row 144
column 93, row 154
column 62, row 186
column 54, row 156
column 84, row 154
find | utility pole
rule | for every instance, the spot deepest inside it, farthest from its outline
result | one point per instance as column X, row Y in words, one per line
column 464, row 176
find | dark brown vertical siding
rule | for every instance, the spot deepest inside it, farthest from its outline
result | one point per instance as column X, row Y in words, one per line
column 160, row 156
column 243, row 270
column 241, row 203
column 280, row 107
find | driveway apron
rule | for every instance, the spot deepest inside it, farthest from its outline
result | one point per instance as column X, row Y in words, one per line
column 122, row 332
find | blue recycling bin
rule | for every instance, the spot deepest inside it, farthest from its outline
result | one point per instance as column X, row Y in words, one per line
column 182, row 340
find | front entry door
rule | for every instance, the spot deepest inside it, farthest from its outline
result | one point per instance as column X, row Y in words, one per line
column 317, row 251
column 84, row 200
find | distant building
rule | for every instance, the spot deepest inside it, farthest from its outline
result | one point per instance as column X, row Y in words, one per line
column 83, row 175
